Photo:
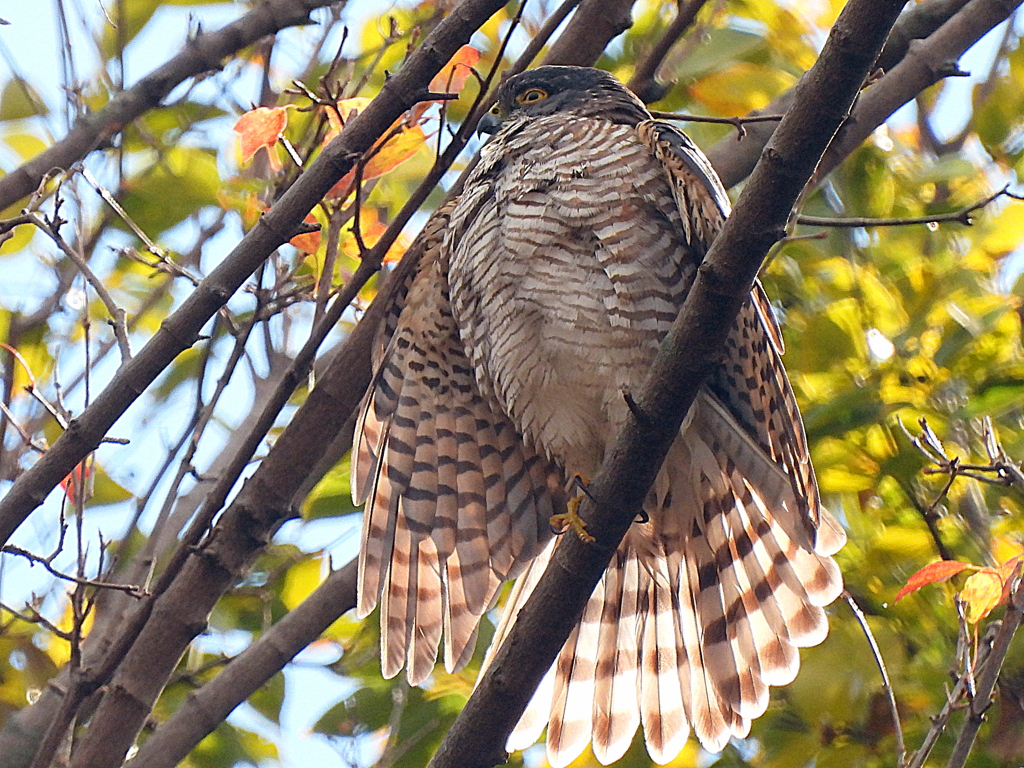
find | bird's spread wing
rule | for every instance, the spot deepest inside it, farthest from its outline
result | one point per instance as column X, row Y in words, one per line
column 456, row 503
column 751, row 382
column 704, row 607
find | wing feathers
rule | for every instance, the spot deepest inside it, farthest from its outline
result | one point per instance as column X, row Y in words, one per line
column 456, row 500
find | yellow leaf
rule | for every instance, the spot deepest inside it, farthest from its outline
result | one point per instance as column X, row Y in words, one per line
column 982, row 592
column 302, row 578
column 740, row 88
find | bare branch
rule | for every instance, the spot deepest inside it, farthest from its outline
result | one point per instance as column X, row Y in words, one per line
column 901, row 749
column 202, row 710
column 986, row 676
column 644, row 82
column 202, row 54
column 47, row 563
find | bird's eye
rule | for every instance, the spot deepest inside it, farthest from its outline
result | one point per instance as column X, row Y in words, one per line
column 532, row 95
column 495, row 110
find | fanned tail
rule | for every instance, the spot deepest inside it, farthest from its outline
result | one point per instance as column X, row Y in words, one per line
column 700, row 611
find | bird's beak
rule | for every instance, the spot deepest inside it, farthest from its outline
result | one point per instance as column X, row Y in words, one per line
column 489, row 123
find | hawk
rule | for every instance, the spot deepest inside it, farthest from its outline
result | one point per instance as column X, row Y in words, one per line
column 543, row 294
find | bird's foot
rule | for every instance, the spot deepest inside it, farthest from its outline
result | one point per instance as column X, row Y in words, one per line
column 570, row 519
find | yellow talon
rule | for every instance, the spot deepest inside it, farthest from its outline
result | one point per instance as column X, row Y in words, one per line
column 571, row 519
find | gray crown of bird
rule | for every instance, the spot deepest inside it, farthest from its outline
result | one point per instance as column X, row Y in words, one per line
column 543, row 294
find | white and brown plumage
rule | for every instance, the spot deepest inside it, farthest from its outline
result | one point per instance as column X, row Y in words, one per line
column 543, row 294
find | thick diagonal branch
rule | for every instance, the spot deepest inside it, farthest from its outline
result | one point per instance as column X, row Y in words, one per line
column 181, row 612
column 181, row 329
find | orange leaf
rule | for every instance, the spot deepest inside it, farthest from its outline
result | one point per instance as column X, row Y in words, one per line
column 310, row 241
column 347, row 109
column 396, row 151
column 452, row 77
column 982, row 592
column 261, row 127
column 371, row 228
column 940, row 571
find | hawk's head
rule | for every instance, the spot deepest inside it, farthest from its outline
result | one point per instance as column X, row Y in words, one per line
column 581, row 91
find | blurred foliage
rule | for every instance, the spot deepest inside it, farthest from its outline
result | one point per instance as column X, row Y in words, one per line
column 883, row 326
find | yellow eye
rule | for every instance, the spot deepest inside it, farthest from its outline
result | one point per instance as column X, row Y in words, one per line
column 532, row 95
column 495, row 110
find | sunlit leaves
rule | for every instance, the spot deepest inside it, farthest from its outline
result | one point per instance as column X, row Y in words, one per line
column 930, row 574
column 20, row 100
column 985, row 589
column 184, row 179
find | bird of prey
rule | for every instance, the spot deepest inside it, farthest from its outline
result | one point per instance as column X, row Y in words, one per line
column 543, row 294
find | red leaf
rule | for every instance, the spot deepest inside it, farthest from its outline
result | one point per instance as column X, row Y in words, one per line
column 79, row 477
column 940, row 571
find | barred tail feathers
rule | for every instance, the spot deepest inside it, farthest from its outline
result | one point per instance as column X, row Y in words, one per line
column 700, row 610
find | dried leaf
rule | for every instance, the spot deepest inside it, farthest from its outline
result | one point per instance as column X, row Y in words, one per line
column 261, row 127
column 939, row 571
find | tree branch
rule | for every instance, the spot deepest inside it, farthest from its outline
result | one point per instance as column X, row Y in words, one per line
column 203, row 53
column 265, row 500
column 589, row 31
column 734, row 159
column 206, row 708
column 644, row 82
column 276, row 226
column 926, row 63
column 693, row 345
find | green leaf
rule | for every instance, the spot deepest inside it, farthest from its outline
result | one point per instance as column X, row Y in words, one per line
column 267, row 700
column 332, row 496
column 20, row 100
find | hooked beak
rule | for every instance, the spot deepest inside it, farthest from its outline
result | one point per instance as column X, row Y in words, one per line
column 489, row 123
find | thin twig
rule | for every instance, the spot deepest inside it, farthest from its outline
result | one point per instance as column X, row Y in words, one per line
column 117, row 315
column 130, row 589
column 644, row 82
column 735, row 122
column 37, row 618
column 987, row 675
column 901, row 749
column 963, row 216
